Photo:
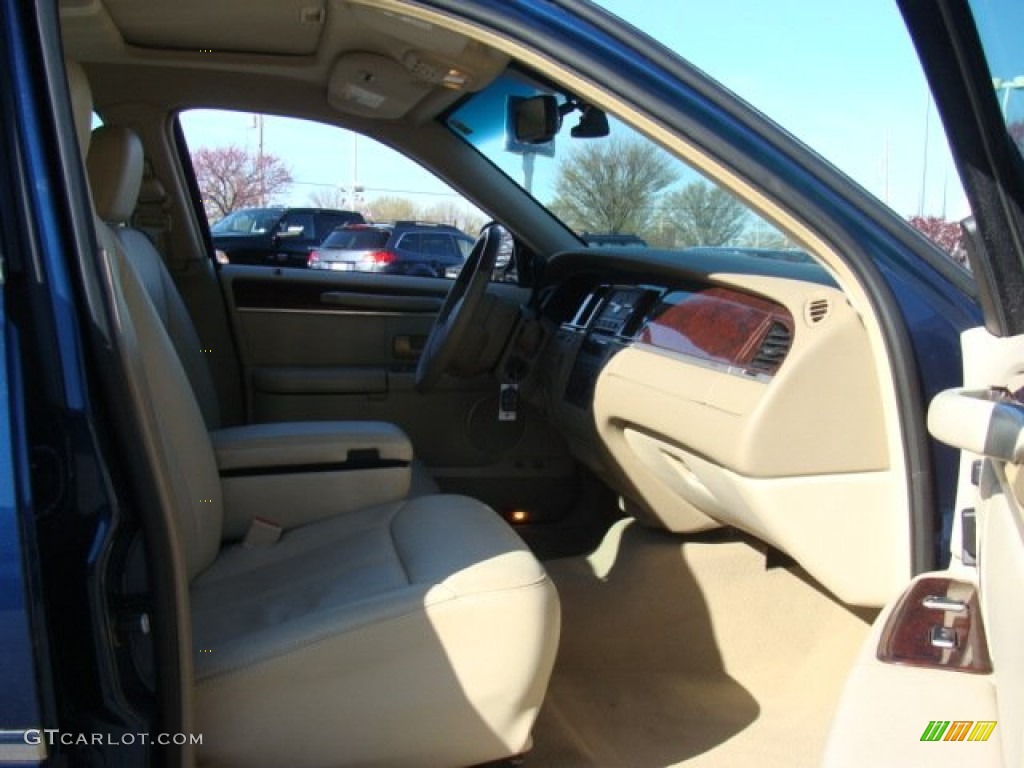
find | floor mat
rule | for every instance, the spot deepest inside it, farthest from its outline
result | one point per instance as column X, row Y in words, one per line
column 690, row 652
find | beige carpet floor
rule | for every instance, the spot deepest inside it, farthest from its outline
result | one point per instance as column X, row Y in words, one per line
column 690, row 652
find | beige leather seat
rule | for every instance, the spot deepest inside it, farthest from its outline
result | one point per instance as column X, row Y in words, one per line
column 420, row 632
column 116, row 165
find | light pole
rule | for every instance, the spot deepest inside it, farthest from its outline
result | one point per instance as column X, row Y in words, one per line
column 257, row 123
column 1011, row 84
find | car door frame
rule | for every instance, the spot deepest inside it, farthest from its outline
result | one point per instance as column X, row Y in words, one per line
column 990, row 167
column 887, row 701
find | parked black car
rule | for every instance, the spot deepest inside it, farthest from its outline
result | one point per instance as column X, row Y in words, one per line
column 401, row 248
column 278, row 236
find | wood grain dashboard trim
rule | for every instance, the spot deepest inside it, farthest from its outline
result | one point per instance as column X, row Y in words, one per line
column 716, row 324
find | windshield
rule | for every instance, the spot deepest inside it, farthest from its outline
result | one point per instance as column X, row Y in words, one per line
column 613, row 187
column 250, row 221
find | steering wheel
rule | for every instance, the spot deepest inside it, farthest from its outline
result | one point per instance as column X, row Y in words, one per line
column 456, row 315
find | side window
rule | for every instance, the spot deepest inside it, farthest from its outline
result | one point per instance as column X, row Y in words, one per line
column 439, row 245
column 412, row 242
column 275, row 189
column 297, row 225
column 465, row 245
column 879, row 126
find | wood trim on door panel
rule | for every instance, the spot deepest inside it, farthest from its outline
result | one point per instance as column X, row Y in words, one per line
column 932, row 604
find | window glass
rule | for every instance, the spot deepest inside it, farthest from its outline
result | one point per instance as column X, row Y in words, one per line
column 410, row 242
column 436, row 245
column 844, row 78
column 612, row 186
column 249, row 221
column 262, row 175
column 999, row 25
column 357, row 239
column 299, row 225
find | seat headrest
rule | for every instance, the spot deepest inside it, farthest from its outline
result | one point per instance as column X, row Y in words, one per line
column 115, row 167
column 81, row 103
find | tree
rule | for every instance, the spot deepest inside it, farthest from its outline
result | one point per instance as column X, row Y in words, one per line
column 770, row 239
column 945, row 234
column 703, row 214
column 456, row 214
column 760, row 234
column 230, row 178
column 611, row 186
column 329, row 197
column 390, row 208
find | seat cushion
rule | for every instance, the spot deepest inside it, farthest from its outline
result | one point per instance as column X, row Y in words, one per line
column 416, row 633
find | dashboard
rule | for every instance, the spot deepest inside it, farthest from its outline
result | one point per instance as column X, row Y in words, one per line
column 710, row 393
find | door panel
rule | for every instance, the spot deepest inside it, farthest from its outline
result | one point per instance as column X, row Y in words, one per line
column 883, row 703
column 318, row 345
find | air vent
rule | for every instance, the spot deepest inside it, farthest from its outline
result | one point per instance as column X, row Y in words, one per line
column 816, row 310
column 773, row 349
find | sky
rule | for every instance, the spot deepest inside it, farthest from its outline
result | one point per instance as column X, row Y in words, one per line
column 841, row 76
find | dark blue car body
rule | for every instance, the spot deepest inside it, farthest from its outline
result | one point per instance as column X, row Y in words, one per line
column 59, row 471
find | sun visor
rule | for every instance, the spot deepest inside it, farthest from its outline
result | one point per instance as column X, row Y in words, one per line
column 372, row 85
column 286, row 27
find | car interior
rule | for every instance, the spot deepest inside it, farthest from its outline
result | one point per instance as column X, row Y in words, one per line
column 621, row 506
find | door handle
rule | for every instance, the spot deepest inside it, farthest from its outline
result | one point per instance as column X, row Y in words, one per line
column 408, row 347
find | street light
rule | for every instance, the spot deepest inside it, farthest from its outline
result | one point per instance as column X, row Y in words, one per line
column 1006, row 86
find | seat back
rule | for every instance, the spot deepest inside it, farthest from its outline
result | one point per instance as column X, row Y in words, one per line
column 176, row 436
column 115, row 165
column 173, row 428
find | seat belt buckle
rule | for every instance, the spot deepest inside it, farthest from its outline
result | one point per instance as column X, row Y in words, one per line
column 261, row 533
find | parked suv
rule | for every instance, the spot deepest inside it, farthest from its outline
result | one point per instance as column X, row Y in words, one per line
column 280, row 237
column 401, row 248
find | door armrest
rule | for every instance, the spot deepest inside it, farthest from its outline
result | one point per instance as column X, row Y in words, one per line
column 294, row 473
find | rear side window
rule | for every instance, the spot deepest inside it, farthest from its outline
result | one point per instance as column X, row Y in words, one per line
column 357, row 239
column 410, row 242
column 437, row 245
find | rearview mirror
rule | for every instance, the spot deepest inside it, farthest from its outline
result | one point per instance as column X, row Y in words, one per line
column 534, row 120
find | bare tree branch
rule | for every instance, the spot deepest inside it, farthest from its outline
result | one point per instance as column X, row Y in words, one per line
column 329, row 197
column 703, row 214
column 230, row 178
column 611, row 187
